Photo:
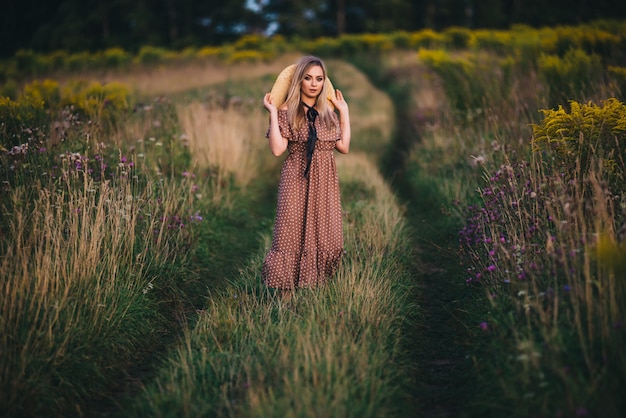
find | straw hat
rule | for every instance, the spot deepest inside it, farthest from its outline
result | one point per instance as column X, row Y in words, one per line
column 283, row 81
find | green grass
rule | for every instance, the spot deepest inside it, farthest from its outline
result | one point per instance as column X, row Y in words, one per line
column 332, row 350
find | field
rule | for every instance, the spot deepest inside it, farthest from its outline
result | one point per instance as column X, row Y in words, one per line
column 484, row 217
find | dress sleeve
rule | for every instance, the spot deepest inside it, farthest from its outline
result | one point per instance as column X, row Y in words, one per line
column 283, row 126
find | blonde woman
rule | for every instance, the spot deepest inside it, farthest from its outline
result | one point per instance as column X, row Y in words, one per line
column 307, row 243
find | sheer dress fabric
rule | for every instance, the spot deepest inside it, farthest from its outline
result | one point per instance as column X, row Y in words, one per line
column 307, row 243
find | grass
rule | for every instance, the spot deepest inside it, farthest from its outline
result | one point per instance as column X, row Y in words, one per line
column 332, row 350
column 538, row 347
column 165, row 238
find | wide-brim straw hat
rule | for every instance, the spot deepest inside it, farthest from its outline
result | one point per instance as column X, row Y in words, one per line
column 280, row 89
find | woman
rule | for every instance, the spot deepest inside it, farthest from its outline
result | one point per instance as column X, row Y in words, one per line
column 308, row 241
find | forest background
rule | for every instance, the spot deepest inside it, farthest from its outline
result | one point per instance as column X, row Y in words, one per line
column 88, row 25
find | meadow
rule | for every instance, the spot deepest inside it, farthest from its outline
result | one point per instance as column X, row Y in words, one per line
column 484, row 217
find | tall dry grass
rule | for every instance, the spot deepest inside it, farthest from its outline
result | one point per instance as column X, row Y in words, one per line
column 79, row 261
column 550, row 258
column 226, row 141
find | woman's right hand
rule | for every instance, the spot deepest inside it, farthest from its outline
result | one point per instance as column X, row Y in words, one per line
column 267, row 103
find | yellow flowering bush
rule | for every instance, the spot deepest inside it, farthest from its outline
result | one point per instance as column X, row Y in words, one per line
column 46, row 90
column 208, row 52
column 587, row 137
column 249, row 42
column 497, row 41
column 247, row 56
column 18, row 118
column 458, row 37
column 97, row 101
column 472, row 80
column 115, row 58
column 427, row 38
column 572, row 77
column 324, row 46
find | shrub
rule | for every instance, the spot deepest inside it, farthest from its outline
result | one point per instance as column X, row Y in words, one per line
column 584, row 137
column 151, row 55
column 46, row 90
column 18, row 119
column 572, row 77
column 28, row 62
column 470, row 81
column 427, row 38
column 457, row 37
column 208, row 52
column 100, row 103
column 58, row 59
column 81, row 61
column 9, row 89
column 491, row 40
column 250, row 42
column 327, row 47
column 115, row 58
column 401, row 39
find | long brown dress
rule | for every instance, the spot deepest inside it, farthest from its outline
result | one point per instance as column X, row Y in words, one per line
column 308, row 238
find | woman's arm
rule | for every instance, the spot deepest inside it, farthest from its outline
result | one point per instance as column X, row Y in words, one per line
column 277, row 143
column 343, row 144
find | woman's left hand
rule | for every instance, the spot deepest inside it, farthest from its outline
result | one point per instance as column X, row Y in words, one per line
column 339, row 102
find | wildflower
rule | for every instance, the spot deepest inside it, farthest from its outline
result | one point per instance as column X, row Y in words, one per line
column 491, row 268
column 484, row 326
column 479, row 160
column 567, row 288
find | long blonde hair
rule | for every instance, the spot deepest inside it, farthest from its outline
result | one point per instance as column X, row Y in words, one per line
column 295, row 110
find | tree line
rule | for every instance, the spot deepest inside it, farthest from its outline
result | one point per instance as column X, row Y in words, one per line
column 88, row 25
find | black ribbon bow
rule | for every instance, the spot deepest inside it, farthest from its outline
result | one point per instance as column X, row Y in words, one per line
column 311, row 115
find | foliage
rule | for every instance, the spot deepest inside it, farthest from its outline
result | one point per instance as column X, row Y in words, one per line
column 101, row 103
column 471, row 81
column 618, row 75
column 588, row 137
column 116, row 58
column 458, row 37
column 18, row 119
column 571, row 77
column 94, row 240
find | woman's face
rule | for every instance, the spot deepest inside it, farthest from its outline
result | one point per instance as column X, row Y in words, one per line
column 313, row 82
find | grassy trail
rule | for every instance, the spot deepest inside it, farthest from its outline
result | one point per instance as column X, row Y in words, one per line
column 438, row 378
column 441, row 339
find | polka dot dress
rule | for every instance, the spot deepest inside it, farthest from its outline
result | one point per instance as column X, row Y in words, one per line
column 308, row 241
